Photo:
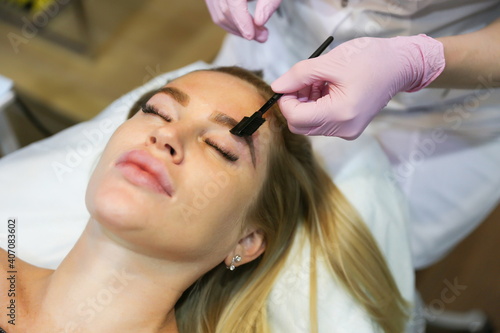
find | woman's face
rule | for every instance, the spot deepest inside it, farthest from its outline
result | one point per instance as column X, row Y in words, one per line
column 172, row 181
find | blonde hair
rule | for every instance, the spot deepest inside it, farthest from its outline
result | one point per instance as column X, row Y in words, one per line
column 297, row 192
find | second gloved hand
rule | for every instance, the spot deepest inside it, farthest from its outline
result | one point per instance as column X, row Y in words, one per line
column 339, row 93
column 234, row 17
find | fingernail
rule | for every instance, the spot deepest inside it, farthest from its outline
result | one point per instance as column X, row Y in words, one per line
column 262, row 36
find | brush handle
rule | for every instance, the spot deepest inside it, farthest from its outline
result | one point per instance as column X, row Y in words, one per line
column 322, row 47
column 275, row 97
column 270, row 102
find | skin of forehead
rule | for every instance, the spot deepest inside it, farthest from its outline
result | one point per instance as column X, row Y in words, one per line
column 225, row 80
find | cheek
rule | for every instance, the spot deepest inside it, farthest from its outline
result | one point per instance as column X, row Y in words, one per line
column 227, row 210
column 109, row 198
column 215, row 195
column 93, row 187
column 220, row 192
column 111, row 202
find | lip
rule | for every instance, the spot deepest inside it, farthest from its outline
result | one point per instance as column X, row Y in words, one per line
column 141, row 168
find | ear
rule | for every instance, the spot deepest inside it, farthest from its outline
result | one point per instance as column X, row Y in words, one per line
column 249, row 247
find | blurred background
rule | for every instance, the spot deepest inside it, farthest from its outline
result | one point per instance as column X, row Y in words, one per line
column 72, row 59
column 69, row 59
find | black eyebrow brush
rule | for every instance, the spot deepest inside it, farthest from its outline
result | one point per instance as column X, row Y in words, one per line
column 248, row 125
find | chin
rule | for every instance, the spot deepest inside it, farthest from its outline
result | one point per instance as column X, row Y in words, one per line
column 116, row 206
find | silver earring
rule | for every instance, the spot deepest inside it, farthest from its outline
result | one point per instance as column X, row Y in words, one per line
column 236, row 259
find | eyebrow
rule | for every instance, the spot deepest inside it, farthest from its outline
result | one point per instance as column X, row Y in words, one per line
column 178, row 95
column 229, row 122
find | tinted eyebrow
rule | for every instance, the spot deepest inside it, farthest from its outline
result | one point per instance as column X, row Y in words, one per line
column 229, row 122
column 178, row 95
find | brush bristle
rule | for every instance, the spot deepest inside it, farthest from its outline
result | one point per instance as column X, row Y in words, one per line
column 248, row 125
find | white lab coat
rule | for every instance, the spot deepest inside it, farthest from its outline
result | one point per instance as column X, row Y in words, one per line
column 443, row 144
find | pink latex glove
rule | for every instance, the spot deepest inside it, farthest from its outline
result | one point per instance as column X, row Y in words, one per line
column 234, row 17
column 339, row 93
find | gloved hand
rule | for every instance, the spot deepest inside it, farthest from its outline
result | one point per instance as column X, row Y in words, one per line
column 233, row 16
column 339, row 93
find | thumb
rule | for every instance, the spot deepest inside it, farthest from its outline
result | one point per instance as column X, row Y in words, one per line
column 300, row 116
column 264, row 9
column 261, row 34
column 302, row 74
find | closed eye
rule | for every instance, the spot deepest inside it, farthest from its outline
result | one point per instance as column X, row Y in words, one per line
column 148, row 108
column 226, row 154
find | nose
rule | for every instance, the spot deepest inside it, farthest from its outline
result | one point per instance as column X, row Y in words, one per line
column 167, row 139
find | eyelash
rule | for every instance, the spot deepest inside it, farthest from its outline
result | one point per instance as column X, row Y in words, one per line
column 226, row 154
column 147, row 108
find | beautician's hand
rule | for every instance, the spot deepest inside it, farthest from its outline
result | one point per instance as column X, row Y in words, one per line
column 339, row 93
column 233, row 16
